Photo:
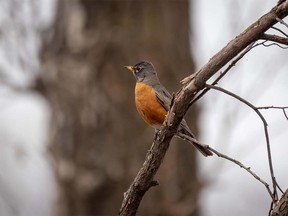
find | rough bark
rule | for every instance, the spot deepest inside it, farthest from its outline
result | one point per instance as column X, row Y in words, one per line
column 281, row 208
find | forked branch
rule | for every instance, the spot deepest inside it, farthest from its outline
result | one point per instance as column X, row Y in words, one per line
column 274, row 182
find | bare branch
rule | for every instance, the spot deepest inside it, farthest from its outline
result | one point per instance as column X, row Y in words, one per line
column 276, row 107
column 279, row 30
column 282, row 22
column 273, row 44
column 275, row 38
column 285, row 114
column 248, row 169
column 234, row 47
column 145, row 176
column 273, row 107
column 222, row 74
column 265, row 130
column 281, row 208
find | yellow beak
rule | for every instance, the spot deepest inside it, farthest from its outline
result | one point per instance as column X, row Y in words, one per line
column 131, row 68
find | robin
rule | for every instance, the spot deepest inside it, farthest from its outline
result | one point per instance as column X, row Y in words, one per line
column 153, row 101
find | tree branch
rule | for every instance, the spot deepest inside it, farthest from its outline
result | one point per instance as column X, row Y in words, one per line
column 279, row 30
column 275, row 38
column 276, row 107
column 226, row 157
column 222, row 74
column 248, row 169
column 281, row 207
column 154, row 157
column 282, row 21
column 274, row 182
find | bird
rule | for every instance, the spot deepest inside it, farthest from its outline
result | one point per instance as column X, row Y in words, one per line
column 153, row 101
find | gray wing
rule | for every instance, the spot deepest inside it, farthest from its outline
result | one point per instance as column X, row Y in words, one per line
column 164, row 99
column 163, row 96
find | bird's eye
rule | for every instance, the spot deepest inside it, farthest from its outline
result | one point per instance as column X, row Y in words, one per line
column 138, row 69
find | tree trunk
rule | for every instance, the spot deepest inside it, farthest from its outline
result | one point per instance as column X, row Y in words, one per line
column 97, row 138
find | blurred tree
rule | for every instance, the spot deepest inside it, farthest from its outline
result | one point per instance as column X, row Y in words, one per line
column 98, row 140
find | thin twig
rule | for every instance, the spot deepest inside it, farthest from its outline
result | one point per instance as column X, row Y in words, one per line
column 283, row 108
column 222, row 74
column 273, row 107
column 265, row 130
column 285, row 114
column 278, row 186
column 282, row 22
column 248, row 169
column 273, row 44
column 279, row 30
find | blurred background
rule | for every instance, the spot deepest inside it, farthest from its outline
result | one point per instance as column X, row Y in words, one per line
column 71, row 140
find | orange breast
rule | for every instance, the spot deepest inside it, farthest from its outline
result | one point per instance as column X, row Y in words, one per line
column 148, row 106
